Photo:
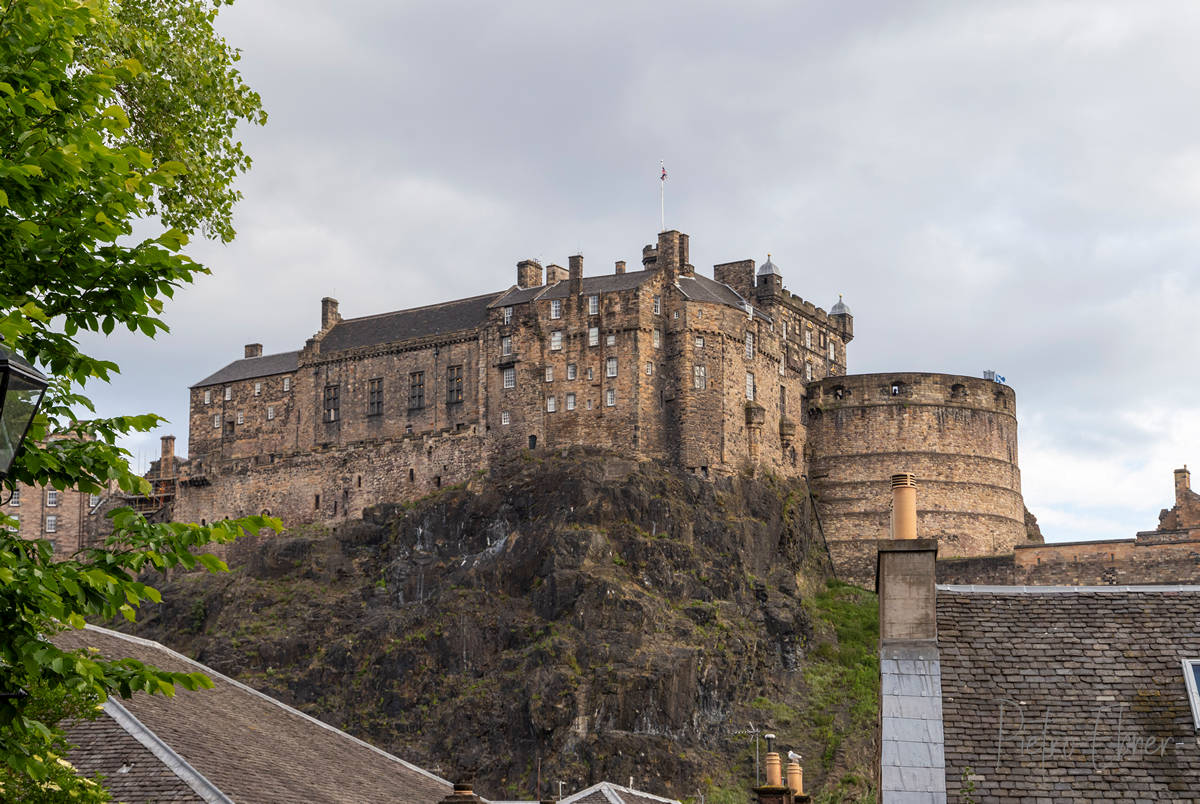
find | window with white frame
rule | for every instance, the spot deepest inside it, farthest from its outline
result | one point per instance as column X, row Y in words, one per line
column 15, row 498
column 51, row 498
column 51, row 523
column 556, row 308
column 785, row 330
column 699, row 377
column 749, row 345
column 507, row 316
column 93, row 500
column 287, row 383
column 208, row 397
column 1191, row 679
column 610, row 340
column 610, row 397
column 807, row 370
column 657, row 305
column 571, row 371
column 241, row 417
column 589, row 404
column 216, row 421
column 505, row 418
column 649, row 369
column 675, row 315
column 270, row 412
column 593, row 336
column 258, row 389
column 656, row 338
column 589, row 373
column 551, row 404
column 808, row 339
column 506, row 344
column 556, row 340
column 610, row 367
column 549, row 373
column 699, row 341
column 593, row 305
column 510, row 377
column 781, row 371
column 570, row 401
column 749, row 386
column 228, row 392
column 832, row 350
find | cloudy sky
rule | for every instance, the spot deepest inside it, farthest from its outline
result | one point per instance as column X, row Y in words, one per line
column 1002, row 185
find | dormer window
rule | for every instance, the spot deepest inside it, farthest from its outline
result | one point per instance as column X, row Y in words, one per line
column 507, row 316
column 1191, row 678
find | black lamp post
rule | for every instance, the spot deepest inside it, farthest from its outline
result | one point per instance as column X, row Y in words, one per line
column 21, row 389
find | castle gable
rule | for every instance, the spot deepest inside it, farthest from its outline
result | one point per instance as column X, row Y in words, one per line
column 402, row 325
column 701, row 288
column 251, row 367
column 609, row 283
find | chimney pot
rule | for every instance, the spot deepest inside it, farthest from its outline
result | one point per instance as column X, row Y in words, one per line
column 795, row 778
column 774, row 770
column 904, row 506
column 254, row 350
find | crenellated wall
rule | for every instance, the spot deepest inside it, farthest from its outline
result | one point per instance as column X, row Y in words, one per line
column 957, row 434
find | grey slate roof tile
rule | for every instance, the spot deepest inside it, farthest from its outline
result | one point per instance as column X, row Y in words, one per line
column 419, row 322
column 250, row 367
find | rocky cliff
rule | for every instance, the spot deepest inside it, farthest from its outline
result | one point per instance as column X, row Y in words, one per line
column 570, row 616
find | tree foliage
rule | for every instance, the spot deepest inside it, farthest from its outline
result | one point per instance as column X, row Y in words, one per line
column 111, row 114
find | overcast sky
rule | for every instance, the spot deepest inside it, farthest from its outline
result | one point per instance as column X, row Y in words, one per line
column 1002, row 185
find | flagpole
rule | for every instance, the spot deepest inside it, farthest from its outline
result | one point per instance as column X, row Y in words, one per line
column 662, row 190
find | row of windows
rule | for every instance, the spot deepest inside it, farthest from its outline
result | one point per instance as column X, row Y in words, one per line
column 50, row 525
column 53, row 497
column 610, row 400
column 593, row 303
column 258, row 389
column 455, row 380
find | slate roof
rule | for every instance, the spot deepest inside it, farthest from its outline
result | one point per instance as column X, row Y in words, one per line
column 609, row 793
column 1087, row 683
column 435, row 319
column 250, row 367
column 912, row 763
column 132, row 772
column 246, row 745
column 701, row 288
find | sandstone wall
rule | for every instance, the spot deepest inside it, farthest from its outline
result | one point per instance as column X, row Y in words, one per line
column 957, row 434
column 1109, row 563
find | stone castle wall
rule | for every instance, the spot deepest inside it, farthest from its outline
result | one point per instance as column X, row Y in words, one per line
column 957, row 434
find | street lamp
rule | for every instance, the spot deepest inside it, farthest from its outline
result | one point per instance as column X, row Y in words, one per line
column 21, row 389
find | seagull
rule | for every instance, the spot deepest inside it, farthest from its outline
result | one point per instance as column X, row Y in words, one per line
column 793, row 756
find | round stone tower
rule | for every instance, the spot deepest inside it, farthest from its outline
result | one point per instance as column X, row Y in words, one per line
column 958, row 435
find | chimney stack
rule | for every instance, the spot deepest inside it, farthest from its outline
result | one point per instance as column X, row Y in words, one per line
column 462, row 795
column 576, row 274
column 904, row 506
column 906, row 572
column 329, row 313
column 529, row 274
column 254, row 350
column 1183, row 484
column 555, row 273
column 775, row 791
column 620, row 269
column 166, row 462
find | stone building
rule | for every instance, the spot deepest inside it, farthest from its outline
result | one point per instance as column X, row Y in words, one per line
column 66, row 518
column 713, row 375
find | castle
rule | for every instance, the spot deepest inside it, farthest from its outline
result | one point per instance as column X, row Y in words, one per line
column 713, row 375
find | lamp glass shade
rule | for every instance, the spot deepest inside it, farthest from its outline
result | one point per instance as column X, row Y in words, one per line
column 21, row 389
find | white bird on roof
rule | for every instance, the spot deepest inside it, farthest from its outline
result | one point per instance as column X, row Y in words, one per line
column 793, row 756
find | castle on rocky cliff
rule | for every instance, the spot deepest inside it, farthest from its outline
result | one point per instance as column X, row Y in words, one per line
column 715, row 376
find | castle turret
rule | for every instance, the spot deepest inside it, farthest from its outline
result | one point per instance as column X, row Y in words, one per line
column 770, row 280
column 840, row 315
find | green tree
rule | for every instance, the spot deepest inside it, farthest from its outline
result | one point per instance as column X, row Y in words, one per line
column 111, row 114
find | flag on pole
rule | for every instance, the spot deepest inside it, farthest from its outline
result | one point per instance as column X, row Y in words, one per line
column 664, row 172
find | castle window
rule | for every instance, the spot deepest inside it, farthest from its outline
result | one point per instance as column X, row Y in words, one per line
column 589, row 404
column 570, row 401
column 783, row 400
column 241, row 417
column 610, row 367
column 675, row 315
column 51, row 498
column 658, row 305
column 749, row 345
column 15, row 527
column 897, row 388
column 316, row 502
column 808, row 369
column 507, row 316
column 556, row 340
column 556, row 308
column 412, row 476
column 785, row 330
column 258, row 389
column 51, row 523
column 15, row 499
column 593, row 305
column 838, row 392
column 808, row 339
column 416, row 390
column 287, row 384
column 551, row 404
column 593, row 336
column 958, row 391
column 408, row 429
column 510, row 377
column 656, row 338
column 216, row 421
column 270, row 412
column 610, row 340
column 549, row 373
column 332, row 405
column 571, row 371
column 699, row 377
column 505, row 418
column 506, row 344
column 454, row 384
column 699, row 341
column 589, row 373
column 832, row 350
column 649, row 369
column 228, row 392
column 208, row 397
column 375, row 397
column 610, row 397
column 749, row 386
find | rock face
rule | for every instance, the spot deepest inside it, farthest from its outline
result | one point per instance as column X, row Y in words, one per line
column 573, row 616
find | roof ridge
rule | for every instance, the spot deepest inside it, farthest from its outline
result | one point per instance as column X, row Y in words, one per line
column 209, row 671
column 986, row 589
column 183, row 769
column 264, row 357
column 495, row 295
